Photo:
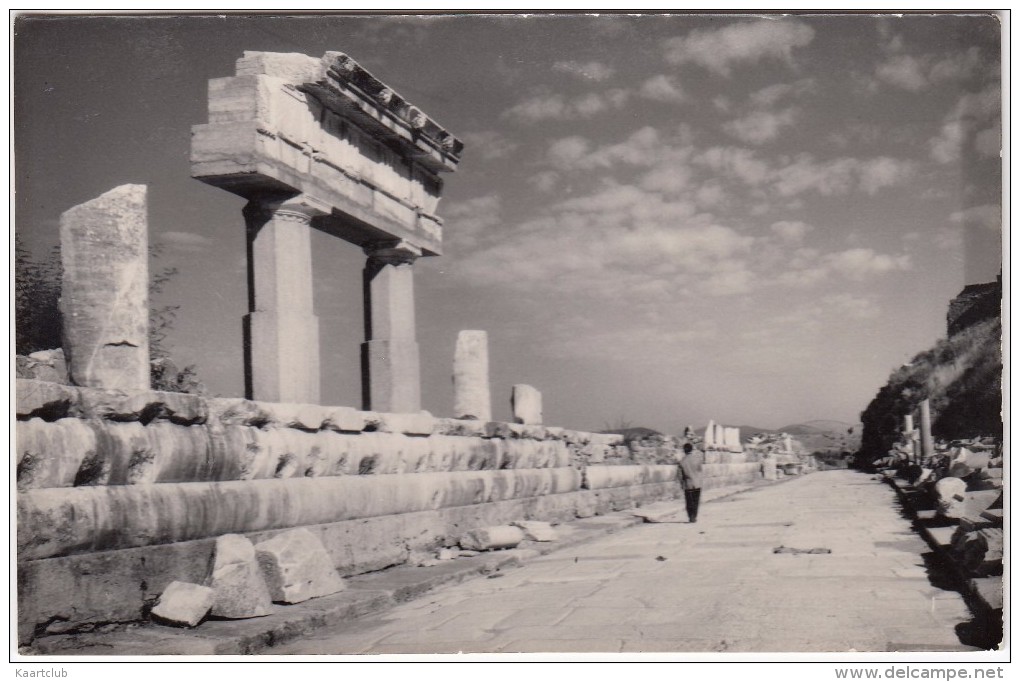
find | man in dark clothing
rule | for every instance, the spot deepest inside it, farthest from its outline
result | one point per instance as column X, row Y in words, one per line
column 691, row 474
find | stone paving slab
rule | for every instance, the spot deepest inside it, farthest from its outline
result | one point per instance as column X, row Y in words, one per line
column 693, row 587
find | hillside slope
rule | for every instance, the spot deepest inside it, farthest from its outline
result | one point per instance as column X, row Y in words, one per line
column 961, row 376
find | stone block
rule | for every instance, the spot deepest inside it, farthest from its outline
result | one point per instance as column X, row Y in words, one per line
column 143, row 406
column 104, row 299
column 183, row 604
column 472, row 397
column 597, row 477
column 297, row 567
column 292, row 67
column 44, row 399
column 494, row 537
column 59, row 521
column 239, row 588
column 413, row 424
column 526, row 402
column 47, row 365
column 344, row 419
column 296, row 415
column 460, row 427
column 238, row 412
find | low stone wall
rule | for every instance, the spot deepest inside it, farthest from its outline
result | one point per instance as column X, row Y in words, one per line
column 121, row 493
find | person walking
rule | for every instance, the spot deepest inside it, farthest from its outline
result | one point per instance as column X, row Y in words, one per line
column 691, row 467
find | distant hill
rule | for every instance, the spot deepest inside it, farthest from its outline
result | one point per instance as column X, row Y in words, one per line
column 817, row 426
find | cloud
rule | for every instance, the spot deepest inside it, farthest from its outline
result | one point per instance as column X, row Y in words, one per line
column 988, row 216
column 771, row 95
column 860, row 263
column 735, row 162
column 488, row 144
column 842, row 175
column 761, row 126
column 791, row 230
column 918, row 72
column 557, row 107
column 718, row 50
column 185, row 242
column 661, row 88
column 468, row 222
column 974, row 113
column 848, row 305
column 594, row 70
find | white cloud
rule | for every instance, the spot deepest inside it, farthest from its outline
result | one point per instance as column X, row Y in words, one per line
column 719, row 49
column 771, row 95
column 593, row 70
column 661, row 88
column 468, row 222
column 903, row 71
column 848, row 305
column 761, row 126
column 988, row 216
column 735, row 162
column 918, row 72
column 842, row 175
column 861, row 263
column 185, row 242
column 791, row 230
column 556, row 107
column 974, row 114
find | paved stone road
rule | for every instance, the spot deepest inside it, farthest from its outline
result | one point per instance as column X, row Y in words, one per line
column 712, row 586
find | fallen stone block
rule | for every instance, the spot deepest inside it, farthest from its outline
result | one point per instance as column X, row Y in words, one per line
column 982, row 552
column 494, row 537
column 183, row 604
column 343, row 419
column 297, row 567
column 239, row 589
column 667, row 516
column 447, row 553
column 47, row 365
column 538, row 531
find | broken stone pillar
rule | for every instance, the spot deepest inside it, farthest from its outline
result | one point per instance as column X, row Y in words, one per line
column 526, row 402
column 720, row 436
column 908, row 424
column 281, row 328
column 104, row 299
column 927, row 442
column 471, row 398
column 391, row 379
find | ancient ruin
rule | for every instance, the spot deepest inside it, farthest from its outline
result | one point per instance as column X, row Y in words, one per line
column 321, row 143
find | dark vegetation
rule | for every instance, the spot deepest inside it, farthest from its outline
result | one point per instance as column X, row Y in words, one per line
column 38, row 321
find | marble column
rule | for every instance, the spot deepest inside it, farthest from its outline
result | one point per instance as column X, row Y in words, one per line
column 526, row 402
column 281, row 330
column 927, row 442
column 390, row 372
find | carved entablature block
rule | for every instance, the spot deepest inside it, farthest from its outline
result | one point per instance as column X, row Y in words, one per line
column 327, row 129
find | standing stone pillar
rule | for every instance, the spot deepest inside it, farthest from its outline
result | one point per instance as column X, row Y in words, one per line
column 526, row 402
column 927, row 442
column 281, row 362
column 104, row 298
column 471, row 397
column 391, row 378
column 709, row 438
column 908, row 424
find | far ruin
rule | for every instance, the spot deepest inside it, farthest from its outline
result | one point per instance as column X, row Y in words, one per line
column 324, row 144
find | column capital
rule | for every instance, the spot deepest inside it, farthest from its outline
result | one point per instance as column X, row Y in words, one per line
column 299, row 209
column 393, row 252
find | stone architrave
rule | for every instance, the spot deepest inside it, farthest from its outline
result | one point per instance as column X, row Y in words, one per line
column 390, row 364
column 710, row 434
column 526, row 402
column 236, row 579
column 321, row 143
column 927, row 442
column 104, row 297
column 471, row 395
column 297, row 567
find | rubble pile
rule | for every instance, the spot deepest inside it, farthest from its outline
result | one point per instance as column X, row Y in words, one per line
column 780, row 455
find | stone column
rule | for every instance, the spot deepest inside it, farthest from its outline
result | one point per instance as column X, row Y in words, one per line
column 927, row 442
column 471, row 397
column 908, row 424
column 709, row 439
column 281, row 330
column 104, row 300
column 390, row 373
column 526, row 402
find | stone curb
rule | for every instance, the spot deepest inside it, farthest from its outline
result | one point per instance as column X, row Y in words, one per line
column 975, row 590
column 365, row 594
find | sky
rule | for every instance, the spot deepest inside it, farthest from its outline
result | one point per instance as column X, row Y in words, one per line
column 659, row 220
